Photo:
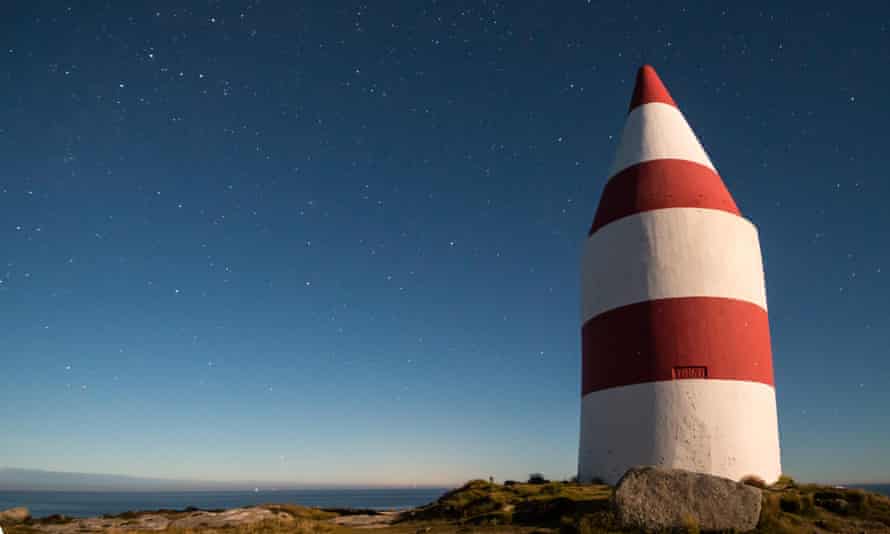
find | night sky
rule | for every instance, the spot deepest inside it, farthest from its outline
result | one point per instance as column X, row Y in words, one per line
column 340, row 242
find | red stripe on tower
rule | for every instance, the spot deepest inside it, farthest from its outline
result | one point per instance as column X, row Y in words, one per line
column 659, row 339
column 659, row 184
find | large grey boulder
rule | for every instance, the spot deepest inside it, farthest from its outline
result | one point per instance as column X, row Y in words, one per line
column 654, row 498
column 15, row 515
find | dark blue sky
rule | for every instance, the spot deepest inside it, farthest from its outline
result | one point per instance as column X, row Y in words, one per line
column 341, row 242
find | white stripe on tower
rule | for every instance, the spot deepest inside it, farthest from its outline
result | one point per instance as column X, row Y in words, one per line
column 716, row 421
column 657, row 131
column 677, row 366
column 673, row 252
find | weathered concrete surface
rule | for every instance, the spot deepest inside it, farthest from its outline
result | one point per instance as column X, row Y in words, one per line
column 653, row 498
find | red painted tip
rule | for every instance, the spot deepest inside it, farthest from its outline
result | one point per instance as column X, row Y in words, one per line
column 649, row 89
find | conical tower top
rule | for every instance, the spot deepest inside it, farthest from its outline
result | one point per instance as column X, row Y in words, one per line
column 649, row 88
column 659, row 163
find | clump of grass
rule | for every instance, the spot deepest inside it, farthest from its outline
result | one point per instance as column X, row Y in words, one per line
column 812, row 508
column 537, row 478
column 859, row 502
column 807, row 504
column 691, row 525
column 790, row 502
column 531, row 504
column 587, row 526
column 476, row 497
column 754, row 480
column 297, row 511
column 777, row 525
column 772, row 518
column 602, row 522
column 500, row 517
column 794, row 502
column 784, row 482
column 552, row 488
column 476, row 483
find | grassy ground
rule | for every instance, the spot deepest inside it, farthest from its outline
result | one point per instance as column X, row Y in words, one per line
column 813, row 508
column 566, row 508
column 479, row 502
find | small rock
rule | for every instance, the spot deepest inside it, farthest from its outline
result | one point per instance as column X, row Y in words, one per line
column 15, row 515
column 654, row 498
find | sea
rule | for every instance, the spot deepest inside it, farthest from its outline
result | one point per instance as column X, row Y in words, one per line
column 97, row 503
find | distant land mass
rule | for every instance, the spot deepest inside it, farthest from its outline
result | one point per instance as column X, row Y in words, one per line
column 17, row 479
column 20, row 479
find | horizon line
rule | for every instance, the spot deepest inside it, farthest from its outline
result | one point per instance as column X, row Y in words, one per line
column 253, row 484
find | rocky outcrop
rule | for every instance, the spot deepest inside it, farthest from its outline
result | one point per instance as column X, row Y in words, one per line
column 652, row 498
column 286, row 517
column 15, row 515
column 228, row 518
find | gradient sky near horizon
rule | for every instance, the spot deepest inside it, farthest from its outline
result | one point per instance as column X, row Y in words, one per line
column 336, row 242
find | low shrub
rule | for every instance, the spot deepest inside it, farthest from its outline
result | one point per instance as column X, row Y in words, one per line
column 843, row 501
column 476, row 483
column 537, row 478
column 773, row 520
column 858, row 501
column 690, row 525
column 785, row 482
column 551, row 489
column 807, row 504
column 603, row 522
column 754, row 480
column 791, row 503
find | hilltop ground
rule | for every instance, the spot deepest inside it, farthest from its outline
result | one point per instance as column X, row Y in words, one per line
column 479, row 506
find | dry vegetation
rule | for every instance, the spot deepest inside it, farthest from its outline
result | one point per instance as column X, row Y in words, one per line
column 793, row 508
column 480, row 502
column 555, row 507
